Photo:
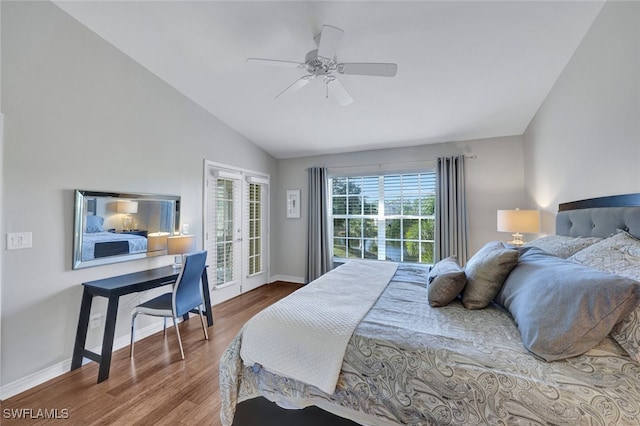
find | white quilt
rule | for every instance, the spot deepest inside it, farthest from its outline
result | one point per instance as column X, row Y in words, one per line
column 304, row 336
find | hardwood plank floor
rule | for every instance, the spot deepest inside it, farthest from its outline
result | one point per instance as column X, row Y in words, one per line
column 155, row 387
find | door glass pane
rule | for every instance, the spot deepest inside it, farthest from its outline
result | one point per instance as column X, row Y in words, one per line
column 255, row 237
column 224, row 231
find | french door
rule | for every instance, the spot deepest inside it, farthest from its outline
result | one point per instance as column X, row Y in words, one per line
column 236, row 230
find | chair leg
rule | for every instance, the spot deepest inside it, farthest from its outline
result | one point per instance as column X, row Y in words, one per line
column 175, row 325
column 133, row 329
column 204, row 327
column 164, row 326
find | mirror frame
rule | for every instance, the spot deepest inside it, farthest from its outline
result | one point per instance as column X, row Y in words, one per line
column 79, row 225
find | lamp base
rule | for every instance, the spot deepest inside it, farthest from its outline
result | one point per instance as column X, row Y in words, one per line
column 517, row 239
column 177, row 262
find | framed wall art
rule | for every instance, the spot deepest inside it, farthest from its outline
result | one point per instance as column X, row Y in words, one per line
column 293, row 204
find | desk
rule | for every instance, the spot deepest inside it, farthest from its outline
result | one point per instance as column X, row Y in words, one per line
column 112, row 288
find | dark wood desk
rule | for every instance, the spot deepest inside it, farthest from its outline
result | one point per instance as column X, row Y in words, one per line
column 112, row 288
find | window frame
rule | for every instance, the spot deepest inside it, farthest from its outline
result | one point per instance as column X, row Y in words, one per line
column 379, row 203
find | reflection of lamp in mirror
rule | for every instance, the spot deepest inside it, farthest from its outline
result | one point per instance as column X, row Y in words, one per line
column 157, row 241
column 179, row 245
column 518, row 222
column 127, row 207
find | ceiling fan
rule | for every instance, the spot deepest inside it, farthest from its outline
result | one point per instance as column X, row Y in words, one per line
column 321, row 63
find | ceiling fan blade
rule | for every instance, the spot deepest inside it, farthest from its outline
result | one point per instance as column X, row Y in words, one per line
column 296, row 85
column 330, row 38
column 338, row 91
column 275, row 63
column 373, row 69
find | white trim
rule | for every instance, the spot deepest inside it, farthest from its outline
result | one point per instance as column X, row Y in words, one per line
column 39, row 377
column 287, row 278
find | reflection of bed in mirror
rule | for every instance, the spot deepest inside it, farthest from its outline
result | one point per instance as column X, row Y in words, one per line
column 103, row 244
column 98, row 243
column 114, row 227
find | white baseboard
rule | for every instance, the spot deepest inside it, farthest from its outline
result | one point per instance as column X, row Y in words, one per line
column 39, row 377
column 288, row 278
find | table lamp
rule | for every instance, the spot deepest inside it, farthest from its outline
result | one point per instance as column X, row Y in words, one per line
column 127, row 207
column 179, row 245
column 518, row 222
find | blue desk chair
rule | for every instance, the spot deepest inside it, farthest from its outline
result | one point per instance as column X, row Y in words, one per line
column 186, row 295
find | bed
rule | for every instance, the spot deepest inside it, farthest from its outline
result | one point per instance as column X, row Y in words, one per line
column 558, row 342
column 102, row 244
column 98, row 242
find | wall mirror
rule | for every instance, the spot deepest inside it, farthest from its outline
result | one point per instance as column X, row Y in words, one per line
column 114, row 227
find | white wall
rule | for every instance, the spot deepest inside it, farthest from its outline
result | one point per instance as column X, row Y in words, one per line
column 584, row 141
column 80, row 114
column 495, row 180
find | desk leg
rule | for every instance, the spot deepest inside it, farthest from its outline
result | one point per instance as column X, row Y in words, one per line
column 107, row 339
column 207, row 298
column 81, row 332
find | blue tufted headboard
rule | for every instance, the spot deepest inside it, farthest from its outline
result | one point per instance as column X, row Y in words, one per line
column 599, row 217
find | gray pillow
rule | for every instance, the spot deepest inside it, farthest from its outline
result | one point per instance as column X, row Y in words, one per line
column 562, row 245
column 446, row 281
column 619, row 254
column 486, row 272
column 563, row 309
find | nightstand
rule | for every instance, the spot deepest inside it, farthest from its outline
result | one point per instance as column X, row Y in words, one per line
column 135, row 232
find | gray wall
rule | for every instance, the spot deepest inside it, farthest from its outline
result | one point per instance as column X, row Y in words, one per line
column 495, row 180
column 80, row 114
column 584, row 141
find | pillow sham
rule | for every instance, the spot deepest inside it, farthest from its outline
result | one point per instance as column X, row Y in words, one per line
column 94, row 224
column 561, row 245
column 562, row 308
column 446, row 281
column 619, row 254
column 486, row 272
column 627, row 334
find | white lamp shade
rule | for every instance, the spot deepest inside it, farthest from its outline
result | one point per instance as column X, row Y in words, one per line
column 522, row 221
column 157, row 241
column 127, row 207
column 181, row 244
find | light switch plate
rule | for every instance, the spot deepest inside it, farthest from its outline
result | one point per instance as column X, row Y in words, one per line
column 19, row 240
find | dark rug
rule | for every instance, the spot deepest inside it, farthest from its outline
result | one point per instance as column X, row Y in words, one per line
column 262, row 412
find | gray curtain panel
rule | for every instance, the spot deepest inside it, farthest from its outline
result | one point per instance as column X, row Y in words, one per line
column 451, row 209
column 319, row 249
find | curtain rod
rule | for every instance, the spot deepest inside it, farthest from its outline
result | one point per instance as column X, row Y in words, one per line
column 471, row 157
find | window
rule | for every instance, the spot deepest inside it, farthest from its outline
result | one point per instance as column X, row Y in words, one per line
column 384, row 217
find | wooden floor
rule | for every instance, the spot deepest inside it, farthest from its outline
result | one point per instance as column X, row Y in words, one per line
column 155, row 387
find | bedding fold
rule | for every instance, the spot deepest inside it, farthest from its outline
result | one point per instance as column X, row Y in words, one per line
column 304, row 336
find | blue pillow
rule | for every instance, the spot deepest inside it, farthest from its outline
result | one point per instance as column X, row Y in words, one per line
column 563, row 309
column 94, row 224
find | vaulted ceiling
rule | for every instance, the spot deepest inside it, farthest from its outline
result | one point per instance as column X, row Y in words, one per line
column 466, row 69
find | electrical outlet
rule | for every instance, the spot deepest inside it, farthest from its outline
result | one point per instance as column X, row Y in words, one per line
column 94, row 321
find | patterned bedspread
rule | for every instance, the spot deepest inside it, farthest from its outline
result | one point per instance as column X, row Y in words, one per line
column 408, row 363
